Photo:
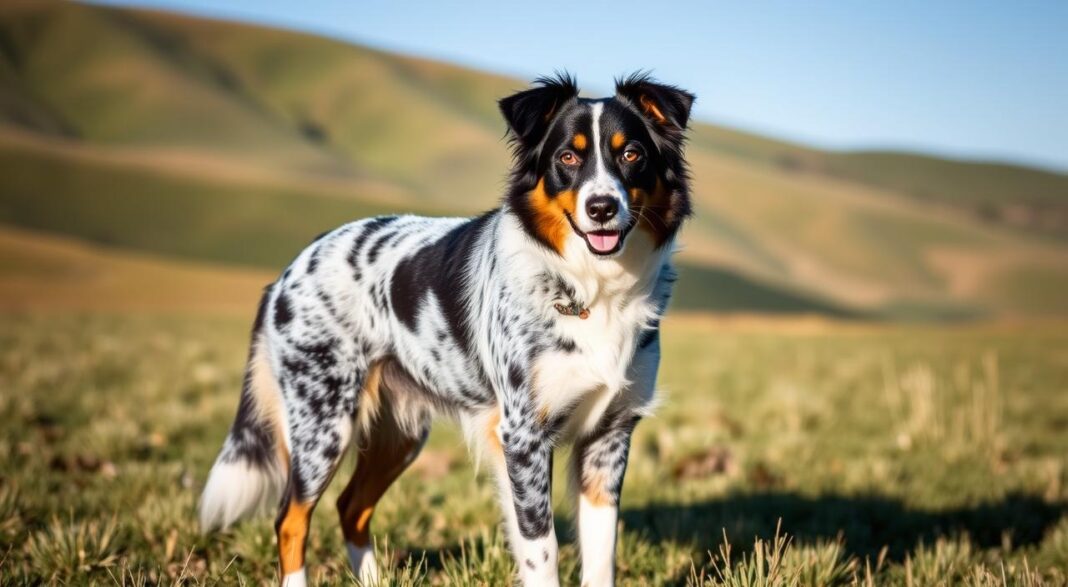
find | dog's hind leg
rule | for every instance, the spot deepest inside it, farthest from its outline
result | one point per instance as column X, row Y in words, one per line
column 310, row 473
column 320, row 386
column 385, row 448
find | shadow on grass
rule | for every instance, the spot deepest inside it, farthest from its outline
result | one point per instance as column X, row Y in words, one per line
column 866, row 524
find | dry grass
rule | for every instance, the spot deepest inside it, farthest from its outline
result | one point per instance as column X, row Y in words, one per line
column 52, row 273
column 829, row 455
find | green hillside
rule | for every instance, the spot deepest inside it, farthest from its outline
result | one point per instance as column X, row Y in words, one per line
column 236, row 143
column 998, row 193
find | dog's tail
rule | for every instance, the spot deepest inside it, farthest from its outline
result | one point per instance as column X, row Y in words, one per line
column 250, row 471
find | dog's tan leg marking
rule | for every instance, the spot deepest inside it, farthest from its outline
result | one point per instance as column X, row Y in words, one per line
column 292, row 535
column 387, row 453
column 492, row 435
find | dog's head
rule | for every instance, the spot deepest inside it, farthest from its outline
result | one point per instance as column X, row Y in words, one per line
column 595, row 170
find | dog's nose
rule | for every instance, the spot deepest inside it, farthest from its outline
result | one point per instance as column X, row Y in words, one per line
column 602, row 208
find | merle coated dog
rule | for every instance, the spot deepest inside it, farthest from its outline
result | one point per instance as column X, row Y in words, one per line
column 534, row 324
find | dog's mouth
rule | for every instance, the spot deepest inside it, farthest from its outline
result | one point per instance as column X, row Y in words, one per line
column 601, row 242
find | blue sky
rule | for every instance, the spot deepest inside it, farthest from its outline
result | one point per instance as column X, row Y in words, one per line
column 985, row 80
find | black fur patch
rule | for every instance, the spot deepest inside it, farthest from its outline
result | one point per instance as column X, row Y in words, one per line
column 252, row 439
column 261, row 311
column 648, row 337
column 440, row 268
column 283, row 311
column 371, row 227
column 321, row 353
column 515, row 376
column 294, row 365
column 533, row 522
column 313, row 259
column 565, row 345
column 376, row 247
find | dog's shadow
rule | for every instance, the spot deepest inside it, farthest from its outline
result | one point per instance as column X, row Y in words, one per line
column 866, row 525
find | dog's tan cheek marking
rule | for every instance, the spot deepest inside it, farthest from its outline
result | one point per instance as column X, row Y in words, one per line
column 662, row 199
column 291, row 535
column 549, row 212
column 655, row 214
column 618, row 139
column 579, row 142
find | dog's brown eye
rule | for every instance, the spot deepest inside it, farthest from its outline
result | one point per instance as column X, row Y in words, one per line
column 631, row 155
column 569, row 158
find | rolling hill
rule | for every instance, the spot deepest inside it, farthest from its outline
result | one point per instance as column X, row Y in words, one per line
column 42, row 272
column 225, row 142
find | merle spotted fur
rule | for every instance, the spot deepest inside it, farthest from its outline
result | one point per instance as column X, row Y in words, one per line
column 458, row 316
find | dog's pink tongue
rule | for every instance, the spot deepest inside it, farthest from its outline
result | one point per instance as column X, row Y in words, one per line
column 603, row 241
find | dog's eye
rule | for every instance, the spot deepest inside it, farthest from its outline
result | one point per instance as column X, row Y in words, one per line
column 631, row 155
column 569, row 158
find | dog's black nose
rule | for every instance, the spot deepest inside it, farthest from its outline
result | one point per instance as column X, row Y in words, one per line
column 602, row 208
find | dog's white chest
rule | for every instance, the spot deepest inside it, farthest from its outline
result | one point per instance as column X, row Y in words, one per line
column 580, row 379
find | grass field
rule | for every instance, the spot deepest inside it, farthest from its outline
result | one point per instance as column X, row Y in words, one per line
column 891, row 454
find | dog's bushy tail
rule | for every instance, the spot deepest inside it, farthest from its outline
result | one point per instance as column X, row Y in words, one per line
column 251, row 470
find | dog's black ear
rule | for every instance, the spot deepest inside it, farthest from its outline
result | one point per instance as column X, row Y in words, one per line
column 667, row 107
column 529, row 112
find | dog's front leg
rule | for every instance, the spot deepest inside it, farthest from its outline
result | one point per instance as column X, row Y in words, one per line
column 599, row 462
column 525, row 477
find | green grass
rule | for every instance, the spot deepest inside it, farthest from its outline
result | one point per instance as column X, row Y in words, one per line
column 883, row 455
column 292, row 101
column 716, row 290
column 999, row 193
column 176, row 215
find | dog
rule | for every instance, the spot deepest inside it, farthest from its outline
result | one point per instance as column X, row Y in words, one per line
column 534, row 324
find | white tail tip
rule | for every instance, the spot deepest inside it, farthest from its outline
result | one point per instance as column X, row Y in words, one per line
column 236, row 490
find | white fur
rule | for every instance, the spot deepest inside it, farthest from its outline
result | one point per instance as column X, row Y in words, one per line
column 619, row 293
column 541, row 553
column 597, row 542
column 295, row 579
column 235, row 491
column 602, row 183
column 619, row 290
column 363, row 563
column 481, row 432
